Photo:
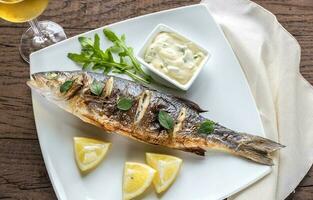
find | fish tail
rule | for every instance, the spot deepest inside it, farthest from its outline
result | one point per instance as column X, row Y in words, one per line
column 251, row 147
column 257, row 149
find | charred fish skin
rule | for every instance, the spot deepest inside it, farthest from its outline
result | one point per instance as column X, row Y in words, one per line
column 140, row 122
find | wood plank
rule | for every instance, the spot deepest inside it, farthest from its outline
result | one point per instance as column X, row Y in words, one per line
column 22, row 171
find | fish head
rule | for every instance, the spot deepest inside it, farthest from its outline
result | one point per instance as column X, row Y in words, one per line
column 49, row 84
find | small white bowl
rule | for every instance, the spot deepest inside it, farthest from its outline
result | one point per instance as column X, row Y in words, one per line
column 163, row 28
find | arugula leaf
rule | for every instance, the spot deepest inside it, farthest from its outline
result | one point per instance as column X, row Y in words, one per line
column 96, row 44
column 122, row 60
column 110, row 35
column 122, row 54
column 94, row 58
column 206, row 127
column 96, row 88
column 124, row 104
column 85, row 42
column 109, row 55
column 79, row 58
column 107, row 69
column 123, row 37
column 127, row 51
column 88, row 65
column 165, row 120
column 66, row 86
column 130, row 50
column 115, row 49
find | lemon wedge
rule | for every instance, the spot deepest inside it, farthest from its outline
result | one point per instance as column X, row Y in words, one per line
column 89, row 152
column 137, row 178
column 167, row 168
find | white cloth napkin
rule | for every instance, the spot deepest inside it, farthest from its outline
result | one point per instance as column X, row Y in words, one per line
column 270, row 58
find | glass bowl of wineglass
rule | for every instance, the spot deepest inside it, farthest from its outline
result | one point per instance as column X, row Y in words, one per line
column 40, row 34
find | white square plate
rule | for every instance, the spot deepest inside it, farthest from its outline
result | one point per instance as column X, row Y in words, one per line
column 221, row 88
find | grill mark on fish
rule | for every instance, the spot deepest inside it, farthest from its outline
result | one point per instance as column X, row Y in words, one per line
column 108, row 87
column 77, row 85
column 179, row 121
column 140, row 122
column 143, row 104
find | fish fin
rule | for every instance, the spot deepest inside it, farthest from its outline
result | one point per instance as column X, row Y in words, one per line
column 192, row 105
column 196, row 150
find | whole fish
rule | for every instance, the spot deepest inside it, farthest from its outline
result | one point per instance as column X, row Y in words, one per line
column 94, row 98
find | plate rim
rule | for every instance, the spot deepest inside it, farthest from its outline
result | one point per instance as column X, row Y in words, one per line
column 57, row 185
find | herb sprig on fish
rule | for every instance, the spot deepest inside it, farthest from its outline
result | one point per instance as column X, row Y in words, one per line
column 165, row 120
column 124, row 104
column 96, row 88
column 93, row 57
column 66, row 86
column 206, row 127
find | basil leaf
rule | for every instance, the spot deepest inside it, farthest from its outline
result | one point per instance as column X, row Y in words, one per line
column 165, row 120
column 66, row 86
column 206, row 127
column 124, row 104
column 96, row 88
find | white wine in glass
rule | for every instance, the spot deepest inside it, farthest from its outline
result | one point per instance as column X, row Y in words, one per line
column 40, row 34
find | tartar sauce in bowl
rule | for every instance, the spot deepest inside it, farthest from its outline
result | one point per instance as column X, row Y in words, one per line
column 174, row 56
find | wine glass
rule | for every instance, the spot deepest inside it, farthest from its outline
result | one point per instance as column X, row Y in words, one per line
column 40, row 34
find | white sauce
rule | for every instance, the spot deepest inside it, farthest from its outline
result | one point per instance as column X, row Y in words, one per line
column 175, row 56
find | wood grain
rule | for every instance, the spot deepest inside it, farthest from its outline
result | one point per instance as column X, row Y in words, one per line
column 22, row 170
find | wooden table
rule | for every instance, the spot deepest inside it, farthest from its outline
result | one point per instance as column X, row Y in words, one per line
column 22, row 170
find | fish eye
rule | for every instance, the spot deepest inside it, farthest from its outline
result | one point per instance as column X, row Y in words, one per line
column 51, row 75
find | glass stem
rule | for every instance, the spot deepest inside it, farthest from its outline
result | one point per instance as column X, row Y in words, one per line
column 35, row 26
column 40, row 40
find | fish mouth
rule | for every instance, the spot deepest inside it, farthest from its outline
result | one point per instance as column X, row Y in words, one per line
column 39, row 83
column 32, row 82
column 45, row 79
column 35, row 81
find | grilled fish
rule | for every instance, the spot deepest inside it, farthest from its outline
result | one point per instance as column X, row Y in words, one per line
column 73, row 92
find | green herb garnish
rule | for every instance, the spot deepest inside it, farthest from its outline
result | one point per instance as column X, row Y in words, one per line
column 66, row 86
column 165, row 120
column 206, row 127
column 96, row 88
column 124, row 104
column 93, row 57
